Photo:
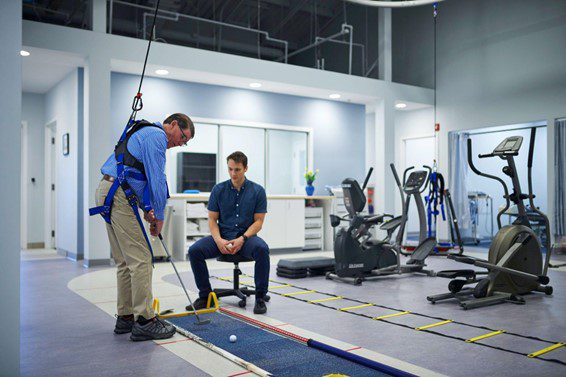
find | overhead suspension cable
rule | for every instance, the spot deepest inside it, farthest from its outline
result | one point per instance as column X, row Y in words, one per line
column 137, row 103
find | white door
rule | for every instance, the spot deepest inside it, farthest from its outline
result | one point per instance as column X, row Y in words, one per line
column 50, row 187
column 418, row 152
column 53, row 194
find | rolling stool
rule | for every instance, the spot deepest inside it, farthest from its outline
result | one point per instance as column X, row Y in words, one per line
column 242, row 293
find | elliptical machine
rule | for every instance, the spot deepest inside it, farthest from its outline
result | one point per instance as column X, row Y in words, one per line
column 515, row 263
column 357, row 255
column 414, row 186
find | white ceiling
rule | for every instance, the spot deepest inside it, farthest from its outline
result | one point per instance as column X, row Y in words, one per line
column 45, row 68
column 236, row 82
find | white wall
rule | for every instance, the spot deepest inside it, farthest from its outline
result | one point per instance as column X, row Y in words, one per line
column 485, row 143
column 10, row 108
column 61, row 105
column 102, row 51
column 33, row 114
column 499, row 63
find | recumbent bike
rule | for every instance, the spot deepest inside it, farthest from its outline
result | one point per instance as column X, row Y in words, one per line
column 358, row 256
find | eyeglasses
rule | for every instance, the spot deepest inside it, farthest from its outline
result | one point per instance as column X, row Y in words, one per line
column 185, row 138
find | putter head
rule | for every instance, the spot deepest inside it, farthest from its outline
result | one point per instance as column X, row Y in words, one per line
column 203, row 321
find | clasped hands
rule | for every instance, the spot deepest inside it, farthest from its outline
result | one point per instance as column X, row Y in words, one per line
column 231, row 246
column 155, row 225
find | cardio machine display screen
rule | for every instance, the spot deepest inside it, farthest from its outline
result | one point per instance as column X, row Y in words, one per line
column 509, row 144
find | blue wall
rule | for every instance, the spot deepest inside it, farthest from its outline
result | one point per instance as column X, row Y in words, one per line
column 339, row 128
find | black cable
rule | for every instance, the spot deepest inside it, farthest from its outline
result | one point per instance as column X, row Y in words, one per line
column 434, row 13
column 137, row 103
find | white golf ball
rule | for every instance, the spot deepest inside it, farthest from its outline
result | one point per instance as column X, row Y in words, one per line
column 233, row 338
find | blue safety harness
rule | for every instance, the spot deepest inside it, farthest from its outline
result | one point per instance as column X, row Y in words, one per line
column 434, row 198
column 125, row 158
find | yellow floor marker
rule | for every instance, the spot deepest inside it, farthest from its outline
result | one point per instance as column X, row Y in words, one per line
column 325, row 299
column 434, row 325
column 279, row 286
column 391, row 315
column 355, row 307
column 155, row 305
column 212, row 305
column 546, row 350
column 489, row 335
column 297, row 293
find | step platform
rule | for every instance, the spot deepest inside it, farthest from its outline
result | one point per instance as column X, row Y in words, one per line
column 297, row 268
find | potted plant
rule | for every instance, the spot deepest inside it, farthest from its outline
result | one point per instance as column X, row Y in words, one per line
column 310, row 176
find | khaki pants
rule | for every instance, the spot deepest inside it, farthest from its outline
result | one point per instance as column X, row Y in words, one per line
column 131, row 254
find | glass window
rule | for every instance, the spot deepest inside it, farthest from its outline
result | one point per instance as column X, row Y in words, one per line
column 287, row 159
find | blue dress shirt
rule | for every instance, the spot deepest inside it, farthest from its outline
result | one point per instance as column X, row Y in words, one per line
column 148, row 145
column 236, row 208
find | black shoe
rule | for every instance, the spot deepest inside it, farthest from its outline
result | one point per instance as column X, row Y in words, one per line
column 200, row 303
column 155, row 328
column 260, row 307
column 124, row 324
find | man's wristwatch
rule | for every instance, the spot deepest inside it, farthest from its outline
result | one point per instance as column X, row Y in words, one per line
column 245, row 238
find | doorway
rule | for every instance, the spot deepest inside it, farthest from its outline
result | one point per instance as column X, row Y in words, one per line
column 418, row 151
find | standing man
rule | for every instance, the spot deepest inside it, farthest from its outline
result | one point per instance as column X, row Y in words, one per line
column 236, row 210
column 142, row 154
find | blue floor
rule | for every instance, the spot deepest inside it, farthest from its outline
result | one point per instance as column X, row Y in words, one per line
column 273, row 353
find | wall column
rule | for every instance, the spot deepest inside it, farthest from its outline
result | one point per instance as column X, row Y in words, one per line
column 385, row 186
column 385, row 56
column 10, row 134
column 97, row 144
column 98, row 15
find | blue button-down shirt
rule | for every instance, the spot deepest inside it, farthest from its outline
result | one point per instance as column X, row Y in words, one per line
column 148, row 145
column 236, row 208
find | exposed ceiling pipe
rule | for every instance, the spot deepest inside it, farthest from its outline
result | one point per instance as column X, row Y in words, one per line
column 362, row 46
column 394, row 4
column 345, row 30
column 181, row 15
column 187, row 39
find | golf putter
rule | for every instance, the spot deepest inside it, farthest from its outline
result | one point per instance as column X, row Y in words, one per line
column 199, row 321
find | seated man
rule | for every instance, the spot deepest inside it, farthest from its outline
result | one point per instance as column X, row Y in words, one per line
column 236, row 210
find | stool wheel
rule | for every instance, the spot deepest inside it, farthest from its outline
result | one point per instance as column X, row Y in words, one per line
column 242, row 303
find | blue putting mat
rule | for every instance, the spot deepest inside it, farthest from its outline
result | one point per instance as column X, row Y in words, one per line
column 278, row 355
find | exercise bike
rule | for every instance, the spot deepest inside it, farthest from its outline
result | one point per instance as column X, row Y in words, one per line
column 358, row 256
column 515, row 263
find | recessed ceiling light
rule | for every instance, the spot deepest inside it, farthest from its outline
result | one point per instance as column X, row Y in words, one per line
column 24, row 53
column 335, row 96
column 255, row 85
column 162, row 72
column 401, row 105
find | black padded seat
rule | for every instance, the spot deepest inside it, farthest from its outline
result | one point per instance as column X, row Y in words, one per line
column 241, row 293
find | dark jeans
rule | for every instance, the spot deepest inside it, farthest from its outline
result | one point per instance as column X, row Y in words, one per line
column 206, row 248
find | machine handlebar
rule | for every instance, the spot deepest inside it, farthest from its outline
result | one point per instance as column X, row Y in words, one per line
column 367, row 178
